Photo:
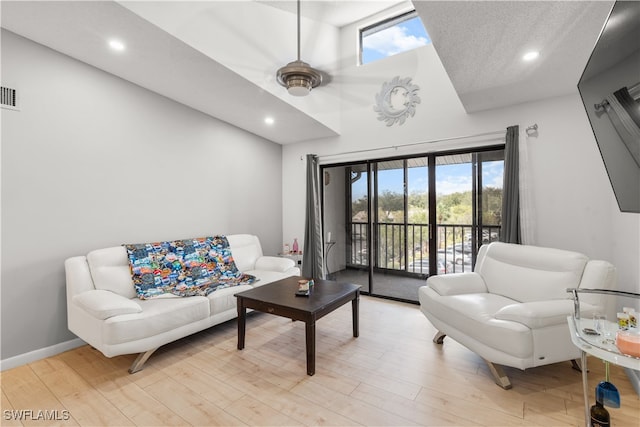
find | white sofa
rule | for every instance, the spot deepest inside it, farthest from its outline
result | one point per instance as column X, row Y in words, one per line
column 512, row 310
column 104, row 311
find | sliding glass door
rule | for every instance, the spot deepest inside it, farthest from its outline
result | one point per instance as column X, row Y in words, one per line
column 394, row 222
column 468, row 205
column 346, row 223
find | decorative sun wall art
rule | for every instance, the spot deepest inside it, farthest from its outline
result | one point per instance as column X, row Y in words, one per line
column 397, row 101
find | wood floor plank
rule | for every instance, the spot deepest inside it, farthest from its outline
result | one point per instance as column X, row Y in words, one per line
column 85, row 403
column 415, row 411
column 10, row 418
column 350, row 407
column 89, row 408
column 303, row 410
column 26, row 392
column 205, row 385
column 393, row 374
column 134, row 402
column 253, row 412
column 190, row 406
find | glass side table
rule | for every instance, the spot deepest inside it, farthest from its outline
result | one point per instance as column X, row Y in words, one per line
column 296, row 257
column 601, row 346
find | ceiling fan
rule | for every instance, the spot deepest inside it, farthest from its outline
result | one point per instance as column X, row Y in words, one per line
column 297, row 76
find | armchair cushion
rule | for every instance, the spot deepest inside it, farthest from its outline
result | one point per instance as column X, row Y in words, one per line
column 538, row 314
column 541, row 314
column 103, row 304
column 530, row 273
column 457, row 284
column 272, row 263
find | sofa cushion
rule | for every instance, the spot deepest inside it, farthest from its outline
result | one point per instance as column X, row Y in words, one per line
column 530, row 273
column 265, row 276
column 157, row 316
column 224, row 299
column 110, row 271
column 246, row 250
column 103, row 304
column 272, row 263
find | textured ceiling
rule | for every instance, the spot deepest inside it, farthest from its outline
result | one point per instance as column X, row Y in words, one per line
column 481, row 43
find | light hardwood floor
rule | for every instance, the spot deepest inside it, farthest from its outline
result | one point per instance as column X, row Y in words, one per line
column 391, row 375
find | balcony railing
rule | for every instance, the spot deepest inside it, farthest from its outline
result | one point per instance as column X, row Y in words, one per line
column 409, row 252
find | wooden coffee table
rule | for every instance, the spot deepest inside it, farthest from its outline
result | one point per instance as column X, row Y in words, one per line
column 280, row 298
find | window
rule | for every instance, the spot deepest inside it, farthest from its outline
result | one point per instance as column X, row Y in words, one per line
column 392, row 36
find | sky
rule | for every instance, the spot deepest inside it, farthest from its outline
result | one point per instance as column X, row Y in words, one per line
column 449, row 179
column 404, row 36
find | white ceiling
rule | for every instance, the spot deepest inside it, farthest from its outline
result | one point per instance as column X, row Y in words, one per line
column 476, row 42
column 335, row 12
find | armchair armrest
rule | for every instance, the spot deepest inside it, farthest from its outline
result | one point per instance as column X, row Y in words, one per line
column 457, row 284
column 540, row 314
column 273, row 263
column 104, row 304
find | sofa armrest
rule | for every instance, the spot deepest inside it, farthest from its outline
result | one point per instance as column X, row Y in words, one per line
column 540, row 314
column 273, row 263
column 104, row 304
column 457, row 284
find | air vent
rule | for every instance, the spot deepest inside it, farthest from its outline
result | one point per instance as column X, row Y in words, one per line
column 8, row 98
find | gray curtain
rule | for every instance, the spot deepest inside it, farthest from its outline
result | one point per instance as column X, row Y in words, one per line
column 511, row 189
column 312, row 254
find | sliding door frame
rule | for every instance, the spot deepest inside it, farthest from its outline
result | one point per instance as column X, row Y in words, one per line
column 372, row 239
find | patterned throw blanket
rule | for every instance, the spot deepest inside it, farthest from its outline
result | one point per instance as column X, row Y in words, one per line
column 184, row 267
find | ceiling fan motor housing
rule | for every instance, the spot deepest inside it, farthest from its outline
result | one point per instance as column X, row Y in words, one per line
column 299, row 78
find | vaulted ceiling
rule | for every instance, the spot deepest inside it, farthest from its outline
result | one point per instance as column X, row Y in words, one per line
column 184, row 50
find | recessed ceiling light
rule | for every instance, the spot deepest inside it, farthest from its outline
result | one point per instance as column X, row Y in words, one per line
column 269, row 120
column 116, row 45
column 530, row 56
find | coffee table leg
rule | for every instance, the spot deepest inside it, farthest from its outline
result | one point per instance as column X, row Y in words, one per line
column 310, row 332
column 354, row 312
column 242, row 321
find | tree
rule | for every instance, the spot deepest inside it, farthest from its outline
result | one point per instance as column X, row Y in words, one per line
column 360, row 205
column 389, row 202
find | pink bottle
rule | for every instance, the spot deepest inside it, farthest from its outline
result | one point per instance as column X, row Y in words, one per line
column 295, row 246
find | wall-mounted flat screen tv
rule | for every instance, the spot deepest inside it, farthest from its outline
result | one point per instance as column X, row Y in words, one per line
column 610, row 91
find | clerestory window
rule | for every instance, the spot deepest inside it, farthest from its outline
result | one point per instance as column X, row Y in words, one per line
column 392, row 36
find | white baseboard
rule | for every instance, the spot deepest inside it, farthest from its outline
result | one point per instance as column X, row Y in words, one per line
column 634, row 377
column 32, row 356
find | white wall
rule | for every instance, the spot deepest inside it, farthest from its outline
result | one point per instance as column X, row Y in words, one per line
column 573, row 203
column 93, row 161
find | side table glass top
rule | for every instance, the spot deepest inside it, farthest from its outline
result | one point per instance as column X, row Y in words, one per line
column 603, row 345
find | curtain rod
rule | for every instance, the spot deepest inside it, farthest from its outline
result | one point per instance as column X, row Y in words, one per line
column 533, row 128
column 453, row 138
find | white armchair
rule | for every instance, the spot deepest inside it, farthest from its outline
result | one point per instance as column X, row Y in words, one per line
column 512, row 310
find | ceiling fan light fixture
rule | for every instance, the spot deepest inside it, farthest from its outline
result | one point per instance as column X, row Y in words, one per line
column 298, row 78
